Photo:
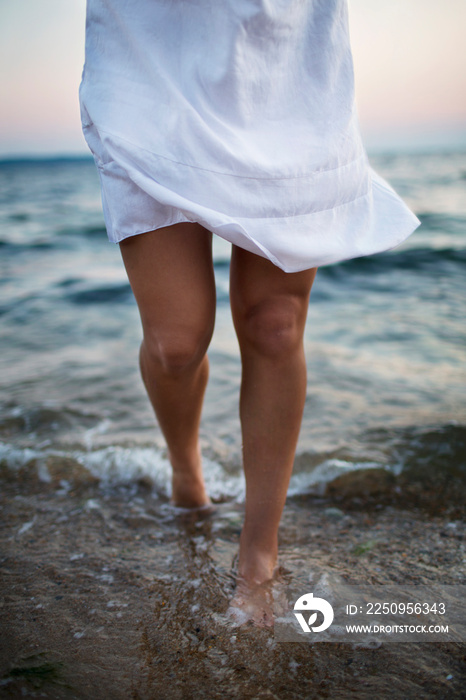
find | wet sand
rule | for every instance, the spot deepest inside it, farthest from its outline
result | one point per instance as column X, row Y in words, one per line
column 113, row 594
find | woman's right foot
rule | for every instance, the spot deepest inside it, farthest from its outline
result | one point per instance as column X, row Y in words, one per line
column 188, row 492
column 188, row 488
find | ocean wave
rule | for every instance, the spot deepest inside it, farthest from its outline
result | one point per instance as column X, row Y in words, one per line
column 440, row 221
column 119, row 465
column 8, row 246
column 112, row 467
column 44, row 420
column 86, row 231
column 108, row 294
column 415, row 259
column 420, row 466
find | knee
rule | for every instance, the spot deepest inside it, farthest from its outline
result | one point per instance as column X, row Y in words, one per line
column 273, row 327
column 175, row 353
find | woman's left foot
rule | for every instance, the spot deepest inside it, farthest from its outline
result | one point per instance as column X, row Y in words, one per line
column 258, row 603
column 252, row 603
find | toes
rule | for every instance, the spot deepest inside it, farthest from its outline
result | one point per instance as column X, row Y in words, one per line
column 252, row 604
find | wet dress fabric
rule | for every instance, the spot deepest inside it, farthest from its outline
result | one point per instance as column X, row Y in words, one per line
column 238, row 115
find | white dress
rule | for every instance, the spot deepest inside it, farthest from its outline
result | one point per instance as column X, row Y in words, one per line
column 239, row 115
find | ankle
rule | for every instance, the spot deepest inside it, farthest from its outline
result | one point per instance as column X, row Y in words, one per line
column 257, row 560
column 188, row 488
column 189, row 491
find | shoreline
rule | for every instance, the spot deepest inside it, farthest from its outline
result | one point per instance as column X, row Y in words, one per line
column 114, row 594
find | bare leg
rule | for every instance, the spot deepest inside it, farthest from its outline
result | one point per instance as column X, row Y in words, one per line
column 269, row 310
column 171, row 273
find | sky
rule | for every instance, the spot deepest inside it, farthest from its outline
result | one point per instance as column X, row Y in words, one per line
column 409, row 56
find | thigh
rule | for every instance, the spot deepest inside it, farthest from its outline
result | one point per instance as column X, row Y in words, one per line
column 257, row 285
column 171, row 274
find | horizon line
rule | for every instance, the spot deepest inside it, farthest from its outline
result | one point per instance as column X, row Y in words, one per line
column 372, row 149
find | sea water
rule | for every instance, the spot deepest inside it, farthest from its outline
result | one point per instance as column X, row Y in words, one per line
column 385, row 341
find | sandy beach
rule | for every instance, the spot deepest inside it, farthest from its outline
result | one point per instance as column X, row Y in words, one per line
column 111, row 594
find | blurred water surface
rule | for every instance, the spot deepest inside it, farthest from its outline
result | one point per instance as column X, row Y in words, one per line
column 385, row 340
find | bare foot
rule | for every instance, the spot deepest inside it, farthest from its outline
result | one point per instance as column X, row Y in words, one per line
column 253, row 603
column 257, row 585
column 188, row 492
column 188, row 488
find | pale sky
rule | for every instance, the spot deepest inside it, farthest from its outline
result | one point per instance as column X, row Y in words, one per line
column 410, row 66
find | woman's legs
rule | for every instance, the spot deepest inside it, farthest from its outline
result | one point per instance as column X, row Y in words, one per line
column 269, row 310
column 171, row 274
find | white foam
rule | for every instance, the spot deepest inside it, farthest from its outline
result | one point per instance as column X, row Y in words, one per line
column 24, row 528
column 127, row 464
column 15, row 458
column 316, row 480
column 116, row 464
